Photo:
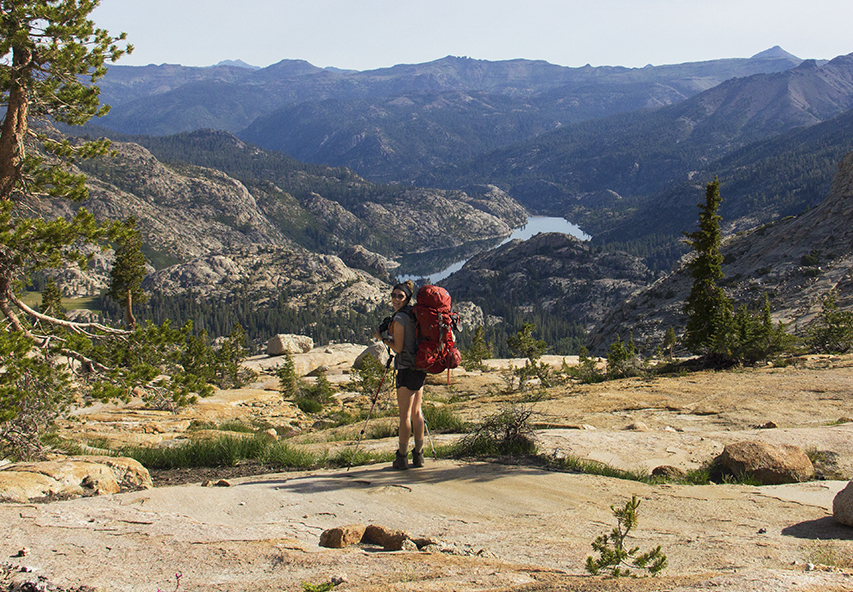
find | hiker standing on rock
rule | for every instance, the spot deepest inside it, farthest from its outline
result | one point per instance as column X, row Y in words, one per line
column 402, row 338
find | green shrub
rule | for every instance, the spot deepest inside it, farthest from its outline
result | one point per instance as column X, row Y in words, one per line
column 367, row 379
column 310, row 398
column 442, row 420
column 472, row 358
column 308, row 405
column 586, row 371
column 832, row 331
column 622, row 359
column 288, row 381
column 507, row 433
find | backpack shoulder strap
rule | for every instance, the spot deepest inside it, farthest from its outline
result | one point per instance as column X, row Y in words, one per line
column 407, row 310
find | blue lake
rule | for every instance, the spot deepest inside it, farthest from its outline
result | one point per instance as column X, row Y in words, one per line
column 437, row 265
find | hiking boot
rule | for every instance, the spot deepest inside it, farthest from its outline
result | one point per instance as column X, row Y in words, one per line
column 400, row 462
column 417, row 458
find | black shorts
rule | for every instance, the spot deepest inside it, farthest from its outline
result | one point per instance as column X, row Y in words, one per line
column 410, row 378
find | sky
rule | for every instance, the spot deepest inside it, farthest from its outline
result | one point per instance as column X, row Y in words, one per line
column 370, row 34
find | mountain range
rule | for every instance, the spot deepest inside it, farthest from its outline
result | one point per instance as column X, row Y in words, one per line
column 625, row 153
column 168, row 99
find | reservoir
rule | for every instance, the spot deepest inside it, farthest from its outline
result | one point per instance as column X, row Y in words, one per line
column 437, row 265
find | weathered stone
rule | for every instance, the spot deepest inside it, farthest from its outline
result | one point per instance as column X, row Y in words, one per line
column 769, row 464
column 129, row 473
column 74, row 477
column 282, row 344
column 389, row 539
column 23, row 486
column 377, row 350
column 842, row 506
column 342, row 536
column 668, row 472
column 424, row 541
column 321, row 369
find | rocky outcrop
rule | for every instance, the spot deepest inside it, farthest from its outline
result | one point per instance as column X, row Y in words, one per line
column 333, row 355
column 556, row 271
column 181, row 212
column 358, row 257
column 769, row 464
column 429, row 219
column 268, row 272
column 72, row 477
column 796, row 261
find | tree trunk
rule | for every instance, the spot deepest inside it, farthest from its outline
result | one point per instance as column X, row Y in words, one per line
column 128, row 311
column 15, row 125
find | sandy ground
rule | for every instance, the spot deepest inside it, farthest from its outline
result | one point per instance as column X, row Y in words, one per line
column 509, row 527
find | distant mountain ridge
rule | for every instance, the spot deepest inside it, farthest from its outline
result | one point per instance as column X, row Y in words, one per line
column 168, row 99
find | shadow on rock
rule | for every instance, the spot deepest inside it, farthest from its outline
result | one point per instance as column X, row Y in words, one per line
column 821, row 529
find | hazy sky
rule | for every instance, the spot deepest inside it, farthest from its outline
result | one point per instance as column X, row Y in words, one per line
column 368, row 34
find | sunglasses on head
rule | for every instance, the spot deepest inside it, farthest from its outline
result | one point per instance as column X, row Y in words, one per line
column 397, row 295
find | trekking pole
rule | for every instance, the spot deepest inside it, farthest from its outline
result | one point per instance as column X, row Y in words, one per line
column 431, row 445
column 369, row 413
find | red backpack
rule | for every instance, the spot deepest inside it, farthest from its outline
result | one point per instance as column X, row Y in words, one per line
column 436, row 346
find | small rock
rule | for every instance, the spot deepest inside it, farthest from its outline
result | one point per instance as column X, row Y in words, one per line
column 321, row 369
column 767, row 426
column 342, row 536
column 638, row 426
column 388, row 539
column 669, row 472
column 222, row 483
column 22, row 552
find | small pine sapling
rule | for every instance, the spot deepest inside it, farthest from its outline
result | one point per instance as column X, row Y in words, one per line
column 615, row 557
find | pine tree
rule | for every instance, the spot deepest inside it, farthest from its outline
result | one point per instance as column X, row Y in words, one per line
column 472, row 358
column 128, row 271
column 708, row 309
column 669, row 341
column 51, row 299
column 52, row 56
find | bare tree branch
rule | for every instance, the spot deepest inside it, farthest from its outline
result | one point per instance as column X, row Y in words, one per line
column 70, row 325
